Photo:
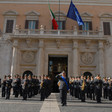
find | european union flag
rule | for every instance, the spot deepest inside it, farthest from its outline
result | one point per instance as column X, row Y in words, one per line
column 74, row 14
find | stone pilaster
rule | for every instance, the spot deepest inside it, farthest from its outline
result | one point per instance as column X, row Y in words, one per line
column 14, row 65
column 75, row 58
column 101, row 59
column 40, row 59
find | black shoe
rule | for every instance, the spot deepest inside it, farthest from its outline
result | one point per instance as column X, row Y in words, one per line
column 63, row 105
column 83, row 101
column 24, row 99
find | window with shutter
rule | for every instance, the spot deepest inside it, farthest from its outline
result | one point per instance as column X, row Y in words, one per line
column 106, row 28
column 31, row 24
column 26, row 24
column 9, row 26
column 61, row 25
column 87, row 26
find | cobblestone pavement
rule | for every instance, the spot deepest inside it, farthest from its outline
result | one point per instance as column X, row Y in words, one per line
column 17, row 105
column 52, row 104
column 75, row 105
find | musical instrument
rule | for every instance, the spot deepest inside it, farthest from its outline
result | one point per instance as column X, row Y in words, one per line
column 58, row 83
column 83, row 85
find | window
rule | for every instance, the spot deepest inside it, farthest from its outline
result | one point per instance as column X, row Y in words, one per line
column 31, row 24
column 60, row 21
column 61, row 25
column 87, row 26
column 9, row 21
column 32, row 20
column 106, row 28
column 9, row 26
column 106, row 23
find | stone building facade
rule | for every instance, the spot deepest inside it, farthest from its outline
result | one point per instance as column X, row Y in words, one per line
column 28, row 44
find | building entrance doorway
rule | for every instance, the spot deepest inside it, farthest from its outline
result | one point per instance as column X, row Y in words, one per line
column 87, row 74
column 56, row 65
column 27, row 73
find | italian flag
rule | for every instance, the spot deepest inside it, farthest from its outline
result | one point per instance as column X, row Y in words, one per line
column 54, row 23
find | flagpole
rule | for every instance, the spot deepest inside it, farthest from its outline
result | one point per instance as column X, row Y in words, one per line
column 59, row 15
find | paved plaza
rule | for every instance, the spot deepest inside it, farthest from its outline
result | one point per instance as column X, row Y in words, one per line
column 52, row 104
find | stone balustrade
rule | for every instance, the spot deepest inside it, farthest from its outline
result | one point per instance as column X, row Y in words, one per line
column 61, row 33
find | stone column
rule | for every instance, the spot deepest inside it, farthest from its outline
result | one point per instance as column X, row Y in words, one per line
column 101, row 59
column 75, row 58
column 40, row 59
column 14, row 65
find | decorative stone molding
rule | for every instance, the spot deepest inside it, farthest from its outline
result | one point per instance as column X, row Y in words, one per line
column 62, row 15
column 88, row 43
column 86, row 16
column 15, row 43
column 58, row 43
column 75, row 44
column 32, row 15
column 28, row 56
column 10, row 13
column 105, row 15
column 28, row 41
column 41, row 43
column 87, row 58
column 101, row 45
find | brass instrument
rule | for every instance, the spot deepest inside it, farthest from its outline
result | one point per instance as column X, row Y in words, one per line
column 83, row 85
column 41, row 84
column 58, row 83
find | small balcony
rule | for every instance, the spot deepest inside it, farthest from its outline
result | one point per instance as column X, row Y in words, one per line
column 68, row 34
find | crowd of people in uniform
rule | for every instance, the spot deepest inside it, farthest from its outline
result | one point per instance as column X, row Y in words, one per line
column 94, row 88
column 80, row 87
column 26, row 87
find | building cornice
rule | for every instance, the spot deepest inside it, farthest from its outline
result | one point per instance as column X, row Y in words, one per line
column 87, row 2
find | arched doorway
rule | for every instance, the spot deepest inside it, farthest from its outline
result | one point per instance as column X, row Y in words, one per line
column 87, row 74
column 28, row 72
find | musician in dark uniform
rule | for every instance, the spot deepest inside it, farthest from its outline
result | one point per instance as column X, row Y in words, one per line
column 42, row 89
column 98, row 88
column 88, row 86
column 110, row 89
column 8, row 87
column 49, row 86
column 36, row 90
column 105, row 88
column 0, row 82
column 25, row 87
column 30, row 88
column 92, row 89
column 3, row 86
column 71, row 85
column 82, row 88
column 63, row 87
column 16, row 85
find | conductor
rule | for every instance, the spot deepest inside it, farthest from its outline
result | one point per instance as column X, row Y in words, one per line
column 63, row 87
